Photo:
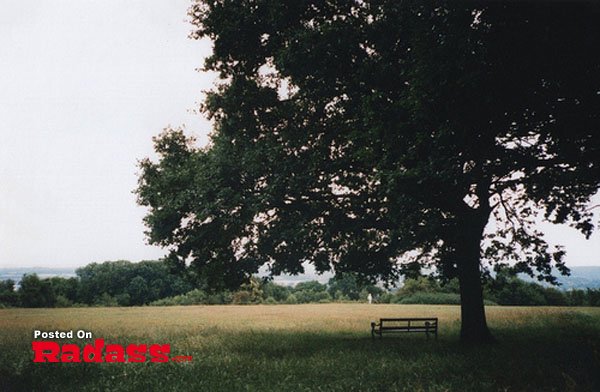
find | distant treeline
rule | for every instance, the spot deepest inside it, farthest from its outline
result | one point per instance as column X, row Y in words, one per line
column 122, row 283
column 119, row 283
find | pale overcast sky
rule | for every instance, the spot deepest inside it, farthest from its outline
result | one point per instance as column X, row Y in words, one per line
column 84, row 85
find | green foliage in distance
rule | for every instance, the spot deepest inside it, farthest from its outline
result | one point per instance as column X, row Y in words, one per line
column 348, row 286
column 8, row 295
column 35, row 292
column 126, row 283
column 503, row 289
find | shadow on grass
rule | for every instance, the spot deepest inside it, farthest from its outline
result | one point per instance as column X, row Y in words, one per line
column 558, row 354
column 555, row 357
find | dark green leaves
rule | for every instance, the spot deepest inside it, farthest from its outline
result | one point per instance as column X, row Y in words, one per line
column 348, row 134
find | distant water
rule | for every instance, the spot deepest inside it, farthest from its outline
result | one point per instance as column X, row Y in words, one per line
column 581, row 277
column 43, row 272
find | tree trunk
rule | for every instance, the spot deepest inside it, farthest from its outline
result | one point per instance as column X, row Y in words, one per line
column 474, row 327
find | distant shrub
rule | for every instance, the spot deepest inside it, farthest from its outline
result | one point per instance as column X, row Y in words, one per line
column 123, row 299
column 35, row 292
column 424, row 298
column 322, row 297
column 164, row 302
column 554, row 297
column 242, row 297
column 364, row 294
column 593, row 297
column 577, row 298
column 521, row 293
column 106, row 299
column 277, row 292
column 194, row 297
column 291, row 299
column 419, row 285
column 270, row 301
column 221, row 298
column 430, row 298
column 384, row 298
column 63, row 302
column 8, row 296
column 304, row 296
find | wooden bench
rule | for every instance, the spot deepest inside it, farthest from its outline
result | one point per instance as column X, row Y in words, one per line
column 390, row 325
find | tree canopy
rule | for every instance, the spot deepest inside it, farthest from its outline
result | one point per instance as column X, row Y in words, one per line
column 378, row 137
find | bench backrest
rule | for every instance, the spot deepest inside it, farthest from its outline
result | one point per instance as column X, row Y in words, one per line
column 429, row 323
column 431, row 319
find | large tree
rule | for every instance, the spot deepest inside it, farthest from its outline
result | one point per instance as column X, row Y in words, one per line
column 381, row 136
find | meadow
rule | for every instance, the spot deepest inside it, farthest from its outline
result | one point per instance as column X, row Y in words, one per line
column 315, row 347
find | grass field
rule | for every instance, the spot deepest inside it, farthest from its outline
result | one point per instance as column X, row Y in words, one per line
column 317, row 347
